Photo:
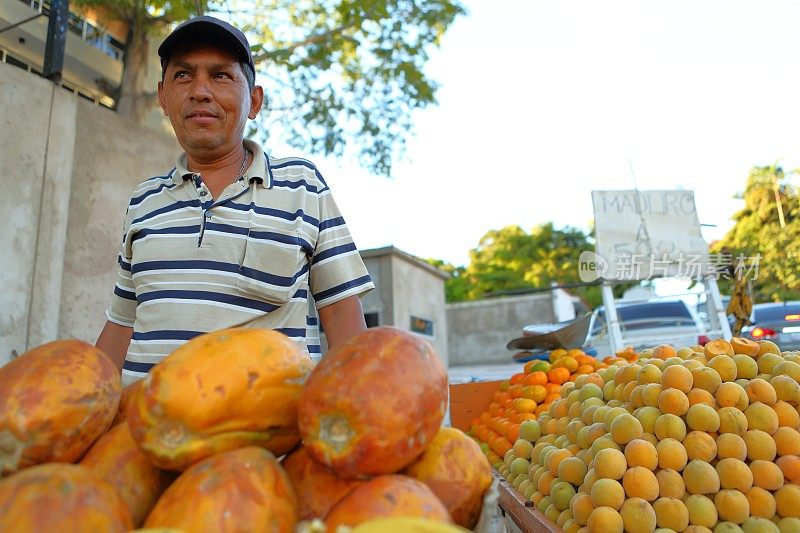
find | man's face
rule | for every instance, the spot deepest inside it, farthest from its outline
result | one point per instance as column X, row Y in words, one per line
column 206, row 97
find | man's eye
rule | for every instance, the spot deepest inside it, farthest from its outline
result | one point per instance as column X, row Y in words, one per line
column 223, row 75
column 181, row 74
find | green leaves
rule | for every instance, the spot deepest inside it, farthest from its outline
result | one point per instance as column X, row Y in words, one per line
column 758, row 231
column 341, row 76
column 511, row 259
column 347, row 75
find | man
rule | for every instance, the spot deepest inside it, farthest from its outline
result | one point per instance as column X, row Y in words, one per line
column 230, row 237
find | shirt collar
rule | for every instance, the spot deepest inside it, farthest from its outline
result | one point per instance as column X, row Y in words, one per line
column 258, row 172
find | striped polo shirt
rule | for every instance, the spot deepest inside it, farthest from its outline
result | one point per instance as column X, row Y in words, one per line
column 254, row 257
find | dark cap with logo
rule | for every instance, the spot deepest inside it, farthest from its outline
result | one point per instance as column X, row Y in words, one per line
column 208, row 27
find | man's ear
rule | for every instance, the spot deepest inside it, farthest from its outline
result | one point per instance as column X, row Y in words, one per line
column 256, row 101
column 161, row 98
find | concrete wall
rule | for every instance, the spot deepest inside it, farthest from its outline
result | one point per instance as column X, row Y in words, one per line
column 111, row 157
column 24, row 132
column 420, row 294
column 479, row 331
column 68, row 168
column 379, row 300
column 406, row 287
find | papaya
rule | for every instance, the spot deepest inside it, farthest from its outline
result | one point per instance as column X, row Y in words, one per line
column 60, row 497
column 390, row 495
column 238, row 490
column 128, row 392
column 406, row 524
column 220, row 391
column 117, row 459
column 373, row 403
column 319, row 487
column 456, row 470
column 55, row 401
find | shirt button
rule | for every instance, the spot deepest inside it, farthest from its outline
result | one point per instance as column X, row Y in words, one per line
column 203, row 193
column 208, row 214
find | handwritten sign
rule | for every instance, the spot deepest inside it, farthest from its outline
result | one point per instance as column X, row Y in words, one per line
column 646, row 234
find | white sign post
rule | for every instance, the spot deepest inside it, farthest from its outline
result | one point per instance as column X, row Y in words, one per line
column 650, row 234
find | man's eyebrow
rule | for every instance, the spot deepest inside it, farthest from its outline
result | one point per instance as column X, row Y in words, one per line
column 213, row 67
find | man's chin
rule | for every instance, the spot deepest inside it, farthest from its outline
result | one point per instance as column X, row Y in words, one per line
column 202, row 142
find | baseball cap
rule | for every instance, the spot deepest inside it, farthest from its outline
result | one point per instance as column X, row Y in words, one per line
column 208, row 26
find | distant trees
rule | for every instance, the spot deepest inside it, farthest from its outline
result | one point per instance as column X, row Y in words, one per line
column 511, row 259
column 768, row 227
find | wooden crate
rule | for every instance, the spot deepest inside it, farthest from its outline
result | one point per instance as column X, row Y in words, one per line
column 469, row 400
column 524, row 514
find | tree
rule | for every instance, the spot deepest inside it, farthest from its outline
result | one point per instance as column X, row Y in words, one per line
column 768, row 227
column 144, row 19
column 337, row 73
column 456, row 288
column 512, row 260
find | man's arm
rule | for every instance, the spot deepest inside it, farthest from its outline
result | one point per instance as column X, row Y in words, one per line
column 342, row 320
column 114, row 341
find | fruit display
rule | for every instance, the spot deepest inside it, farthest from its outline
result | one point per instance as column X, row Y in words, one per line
column 237, row 430
column 695, row 439
column 528, row 394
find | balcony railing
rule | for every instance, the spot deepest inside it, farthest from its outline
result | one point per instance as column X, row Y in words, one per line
column 95, row 35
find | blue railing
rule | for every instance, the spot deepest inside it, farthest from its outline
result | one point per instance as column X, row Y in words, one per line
column 95, row 35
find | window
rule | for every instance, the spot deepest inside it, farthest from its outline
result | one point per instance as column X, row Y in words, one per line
column 75, row 24
column 648, row 315
column 11, row 60
column 372, row 320
column 762, row 313
column 421, row 325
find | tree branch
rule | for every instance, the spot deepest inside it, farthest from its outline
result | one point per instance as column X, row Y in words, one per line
column 312, row 39
column 305, row 42
column 160, row 19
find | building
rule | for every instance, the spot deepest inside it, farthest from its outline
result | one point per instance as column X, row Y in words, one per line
column 409, row 294
column 93, row 54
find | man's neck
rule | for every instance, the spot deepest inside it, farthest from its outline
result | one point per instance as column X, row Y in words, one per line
column 218, row 172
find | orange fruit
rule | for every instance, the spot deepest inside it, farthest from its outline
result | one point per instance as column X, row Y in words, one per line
column 567, row 362
column 517, row 378
column 558, row 375
column 673, row 401
column 536, row 378
column 640, row 482
column 718, row 347
column 664, row 351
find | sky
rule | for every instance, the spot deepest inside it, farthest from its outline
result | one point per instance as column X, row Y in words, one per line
column 541, row 102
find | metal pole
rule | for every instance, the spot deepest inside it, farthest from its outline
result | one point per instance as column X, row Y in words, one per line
column 612, row 320
column 715, row 309
column 56, row 40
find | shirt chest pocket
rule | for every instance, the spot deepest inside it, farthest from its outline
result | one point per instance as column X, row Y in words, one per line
column 273, row 266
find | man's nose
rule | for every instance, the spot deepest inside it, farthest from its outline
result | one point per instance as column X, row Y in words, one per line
column 201, row 89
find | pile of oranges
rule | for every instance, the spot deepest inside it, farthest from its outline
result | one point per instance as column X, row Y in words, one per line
column 530, row 393
column 697, row 439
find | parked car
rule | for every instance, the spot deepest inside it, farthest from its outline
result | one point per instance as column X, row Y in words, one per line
column 647, row 324
column 776, row 322
column 702, row 312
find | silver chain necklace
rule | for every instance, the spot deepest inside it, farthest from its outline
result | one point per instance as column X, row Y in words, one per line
column 240, row 174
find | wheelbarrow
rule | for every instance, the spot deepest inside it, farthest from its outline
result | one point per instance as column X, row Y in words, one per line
column 538, row 340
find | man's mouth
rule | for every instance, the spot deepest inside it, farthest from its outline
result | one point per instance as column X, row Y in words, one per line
column 201, row 117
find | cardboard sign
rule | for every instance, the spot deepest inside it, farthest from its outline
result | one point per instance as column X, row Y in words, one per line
column 645, row 234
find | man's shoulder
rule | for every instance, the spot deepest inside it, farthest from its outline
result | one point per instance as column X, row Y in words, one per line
column 156, row 181
column 152, row 185
column 296, row 170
